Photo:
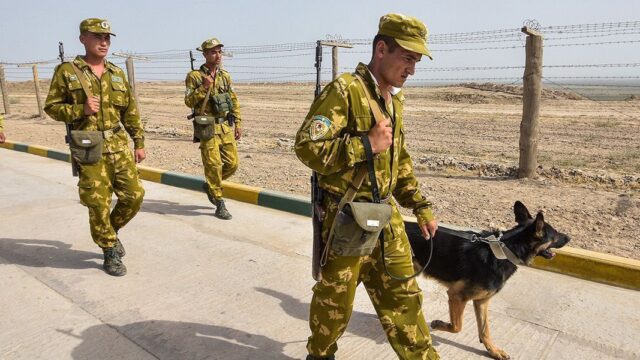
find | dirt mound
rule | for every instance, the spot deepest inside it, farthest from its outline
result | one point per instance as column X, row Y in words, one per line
column 472, row 98
column 489, row 169
column 548, row 94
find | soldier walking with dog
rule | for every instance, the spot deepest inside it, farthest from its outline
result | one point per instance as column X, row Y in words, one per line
column 217, row 122
column 94, row 97
column 353, row 137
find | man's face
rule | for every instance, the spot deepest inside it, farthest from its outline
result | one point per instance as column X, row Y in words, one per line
column 96, row 44
column 213, row 56
column 398, row 65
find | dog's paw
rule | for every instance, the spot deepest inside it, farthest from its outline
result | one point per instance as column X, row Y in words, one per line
column 439, row 325
column 499, row 354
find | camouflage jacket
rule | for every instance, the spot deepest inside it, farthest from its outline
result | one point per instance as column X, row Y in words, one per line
column 329, row 142
column 195, row 92
column 66, row 98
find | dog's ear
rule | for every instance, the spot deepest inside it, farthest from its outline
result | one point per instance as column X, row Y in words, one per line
column 539, row 224
column 521, row 212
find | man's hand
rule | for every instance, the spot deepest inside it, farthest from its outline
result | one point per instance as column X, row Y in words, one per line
column 140, row 155
column 381, row 136
column 2, row 137
column 207, row 81
column 238, row 133
column 429, row 229
column 92, row 105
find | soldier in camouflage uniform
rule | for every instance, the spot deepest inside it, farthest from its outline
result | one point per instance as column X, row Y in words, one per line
column 2, row 137
column 219, row 154
column 111, row 107
column 330, row 142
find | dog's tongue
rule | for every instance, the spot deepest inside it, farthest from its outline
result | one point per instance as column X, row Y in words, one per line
column 547, row 254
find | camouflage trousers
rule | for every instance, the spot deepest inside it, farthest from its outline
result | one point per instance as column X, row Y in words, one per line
column 397, row 303
column 219, row 158
column 115, row 172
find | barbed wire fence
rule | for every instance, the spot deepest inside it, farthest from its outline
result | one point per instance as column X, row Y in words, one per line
column 464, row 54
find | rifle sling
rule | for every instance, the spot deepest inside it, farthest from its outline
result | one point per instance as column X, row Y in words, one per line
column 379, row 116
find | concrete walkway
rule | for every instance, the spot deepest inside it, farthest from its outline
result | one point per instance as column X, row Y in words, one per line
column 203, row 288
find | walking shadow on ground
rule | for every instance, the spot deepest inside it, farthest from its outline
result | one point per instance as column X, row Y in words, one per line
column 47, row 253
column 161, row 339
column 174, row 208
column 361, row 324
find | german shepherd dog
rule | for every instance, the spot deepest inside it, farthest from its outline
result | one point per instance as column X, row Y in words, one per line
column 470, row 271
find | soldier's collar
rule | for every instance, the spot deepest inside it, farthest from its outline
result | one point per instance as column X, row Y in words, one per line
column 206, row 70
column 82, row 64
column 110, row 66
column 364, row 71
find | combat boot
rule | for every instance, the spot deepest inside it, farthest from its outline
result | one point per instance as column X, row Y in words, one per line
column 112, row 263
column 120, row 249
column 221, row 210
column 330, row 357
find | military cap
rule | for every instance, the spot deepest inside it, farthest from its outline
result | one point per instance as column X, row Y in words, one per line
column 209, row 44
column 409, row 32
column 98, row 26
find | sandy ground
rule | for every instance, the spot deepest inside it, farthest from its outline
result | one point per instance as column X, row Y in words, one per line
column 463, row 140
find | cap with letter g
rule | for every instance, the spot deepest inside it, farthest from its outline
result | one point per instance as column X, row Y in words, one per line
column 97, row 26
column 409, row 32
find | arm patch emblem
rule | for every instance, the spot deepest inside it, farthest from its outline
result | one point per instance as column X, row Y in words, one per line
column 319, row 127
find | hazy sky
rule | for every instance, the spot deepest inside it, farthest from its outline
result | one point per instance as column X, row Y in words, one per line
column 30, row 30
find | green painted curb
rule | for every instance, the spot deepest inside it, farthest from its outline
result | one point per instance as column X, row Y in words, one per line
column 58, row 155
column 184, row 181
column 21, row 147
column 285, row 202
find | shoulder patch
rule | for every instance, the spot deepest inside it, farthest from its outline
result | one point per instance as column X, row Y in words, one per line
column 116, row 79
column 73, row 77
column 319, row 127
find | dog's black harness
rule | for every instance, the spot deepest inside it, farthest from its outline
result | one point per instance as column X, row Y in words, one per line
column 498, row 248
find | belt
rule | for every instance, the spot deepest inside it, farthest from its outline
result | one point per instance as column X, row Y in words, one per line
column 338, row 197
column 109, row 133
column 217, row 120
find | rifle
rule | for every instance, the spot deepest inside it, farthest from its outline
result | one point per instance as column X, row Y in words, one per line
column 193, row 110
column 191, row 59
column 67, row 138
column 317, row 212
